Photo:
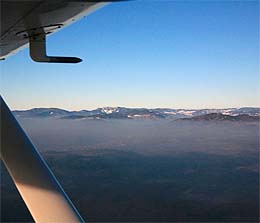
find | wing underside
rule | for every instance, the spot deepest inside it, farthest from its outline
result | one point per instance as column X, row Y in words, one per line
column 21, row 19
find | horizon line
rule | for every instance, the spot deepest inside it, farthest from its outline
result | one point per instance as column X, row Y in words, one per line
column 239, row 107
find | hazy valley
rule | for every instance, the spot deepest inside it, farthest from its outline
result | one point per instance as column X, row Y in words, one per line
column 162, row 168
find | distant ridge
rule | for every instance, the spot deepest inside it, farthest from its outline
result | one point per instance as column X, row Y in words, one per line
column 221, row 117
column 41, row 112
column 142, row 113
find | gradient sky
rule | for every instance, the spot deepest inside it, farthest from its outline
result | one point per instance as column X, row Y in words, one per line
column 146, row 54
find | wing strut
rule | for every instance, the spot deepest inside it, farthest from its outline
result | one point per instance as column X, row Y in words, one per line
column 37, row 185
column 37, row 44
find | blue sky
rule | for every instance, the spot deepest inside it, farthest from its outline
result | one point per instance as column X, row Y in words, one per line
column 146, row 54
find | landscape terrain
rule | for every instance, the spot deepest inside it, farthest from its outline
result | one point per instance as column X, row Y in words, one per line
column 142, row 165
column 132, row 113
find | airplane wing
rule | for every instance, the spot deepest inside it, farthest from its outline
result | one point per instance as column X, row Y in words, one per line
column 26, row 22
column 31, row 21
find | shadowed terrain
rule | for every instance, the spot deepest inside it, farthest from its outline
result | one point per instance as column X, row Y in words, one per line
column 148, row 170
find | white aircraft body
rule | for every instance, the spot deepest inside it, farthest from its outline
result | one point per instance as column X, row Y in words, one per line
column 26, row 22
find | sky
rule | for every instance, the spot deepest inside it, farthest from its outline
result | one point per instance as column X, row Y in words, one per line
column 167, row 54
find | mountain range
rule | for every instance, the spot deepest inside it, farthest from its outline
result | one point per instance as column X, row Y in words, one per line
column 221, row 117
column 245, row 113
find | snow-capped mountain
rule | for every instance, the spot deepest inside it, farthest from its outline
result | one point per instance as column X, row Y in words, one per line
column 110, row 110
column 132, row 113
